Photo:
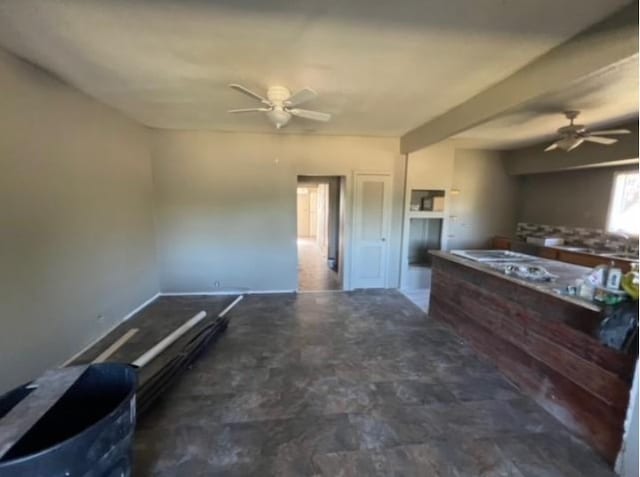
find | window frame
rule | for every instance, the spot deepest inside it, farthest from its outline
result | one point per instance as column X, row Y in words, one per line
column 611, row 203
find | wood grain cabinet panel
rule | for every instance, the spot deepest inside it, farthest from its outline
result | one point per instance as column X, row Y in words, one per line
column 543, row 344
column 501, row 243
column 546, row 252
column 583, row 259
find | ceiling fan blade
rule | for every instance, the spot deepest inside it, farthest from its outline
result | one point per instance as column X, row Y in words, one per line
column 307, row 114
column 248, row 92
column 601, row 140
column 575, row 144
column 250, row 110
column 302, row 96
column 610, row 131
column 552, row 147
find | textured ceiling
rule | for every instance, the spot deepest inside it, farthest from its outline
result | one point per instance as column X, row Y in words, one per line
column 381, row 68
column 604, row 99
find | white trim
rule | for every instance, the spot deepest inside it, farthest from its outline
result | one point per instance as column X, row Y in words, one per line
column 144, row 305
column 270, row 292
column 612, row 195
column 226, row 293
column 307, row 292
column 630, row 433
column 206, row 293
column 115, row 325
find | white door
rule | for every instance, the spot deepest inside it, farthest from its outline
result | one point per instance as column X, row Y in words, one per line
column 372, row 215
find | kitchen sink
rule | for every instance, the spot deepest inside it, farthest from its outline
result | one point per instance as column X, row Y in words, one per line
column 571, row 249
column 491, row 255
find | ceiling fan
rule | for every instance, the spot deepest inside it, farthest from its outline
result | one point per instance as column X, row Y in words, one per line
column 575, row 134
column 280, row 105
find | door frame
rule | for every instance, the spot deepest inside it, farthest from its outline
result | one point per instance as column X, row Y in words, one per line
column 344, row 223
column 389, row 208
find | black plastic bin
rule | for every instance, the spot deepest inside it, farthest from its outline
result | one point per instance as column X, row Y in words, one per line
column 88, row 432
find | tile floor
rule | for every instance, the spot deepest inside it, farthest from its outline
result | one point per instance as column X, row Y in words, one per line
column 349, row 384
column 313, row 271
column 419, row 297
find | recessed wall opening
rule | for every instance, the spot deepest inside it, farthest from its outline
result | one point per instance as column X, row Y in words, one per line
column 319, row 233
column 424, row 230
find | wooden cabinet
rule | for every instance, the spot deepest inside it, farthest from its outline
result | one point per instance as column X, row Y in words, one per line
column 584, row 259
column 543, row 344
column 550, row 253
column 501, row 243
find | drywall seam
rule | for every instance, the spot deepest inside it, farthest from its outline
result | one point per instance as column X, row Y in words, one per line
column 116, row 324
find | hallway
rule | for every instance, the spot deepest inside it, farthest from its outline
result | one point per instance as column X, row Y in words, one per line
column 314, row 273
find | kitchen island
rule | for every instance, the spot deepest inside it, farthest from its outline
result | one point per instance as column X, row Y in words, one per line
column 544, row 342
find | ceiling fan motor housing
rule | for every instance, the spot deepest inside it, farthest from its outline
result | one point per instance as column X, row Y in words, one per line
column 278, row 116
column 278, row 94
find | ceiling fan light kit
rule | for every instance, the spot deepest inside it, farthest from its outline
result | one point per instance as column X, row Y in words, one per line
column 279, row 105
column 573, row 135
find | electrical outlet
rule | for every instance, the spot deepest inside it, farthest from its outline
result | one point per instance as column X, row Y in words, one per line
column 216, row 284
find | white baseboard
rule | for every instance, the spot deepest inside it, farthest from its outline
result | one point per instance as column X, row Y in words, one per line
column 269, row 292
column 204, row 293
column 115, row 325
column 224, row 293
column 143, row 305
column 307, row 292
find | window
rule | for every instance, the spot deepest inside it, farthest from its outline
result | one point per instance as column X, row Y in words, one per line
column 624, row 209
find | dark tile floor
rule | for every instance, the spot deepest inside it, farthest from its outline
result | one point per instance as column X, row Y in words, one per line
column 349, row 384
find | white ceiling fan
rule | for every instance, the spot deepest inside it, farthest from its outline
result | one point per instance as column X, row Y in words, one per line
column 280, row 105
column 573, row 135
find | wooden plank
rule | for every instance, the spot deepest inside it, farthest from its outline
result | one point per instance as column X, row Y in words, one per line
column 49, row 388
column 117, row 344
column 574, row 337
column 599, row 424
column 542, row 345
column 517, row 330
column 493, row 312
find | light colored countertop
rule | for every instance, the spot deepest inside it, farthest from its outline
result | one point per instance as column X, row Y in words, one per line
column 578, row 249
column 567, row 274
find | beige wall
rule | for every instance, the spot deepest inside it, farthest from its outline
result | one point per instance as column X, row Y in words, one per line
column 577, row 198
column 226, row 203
column 75, row 215
column 486, row 203
column 430, row 168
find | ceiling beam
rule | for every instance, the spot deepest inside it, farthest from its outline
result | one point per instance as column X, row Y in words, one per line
column 597, row 48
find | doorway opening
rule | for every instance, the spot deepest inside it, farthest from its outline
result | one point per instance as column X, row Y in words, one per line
column 319, row 233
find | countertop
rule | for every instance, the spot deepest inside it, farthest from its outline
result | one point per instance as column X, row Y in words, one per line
column 573, row 249
column 566, row 273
